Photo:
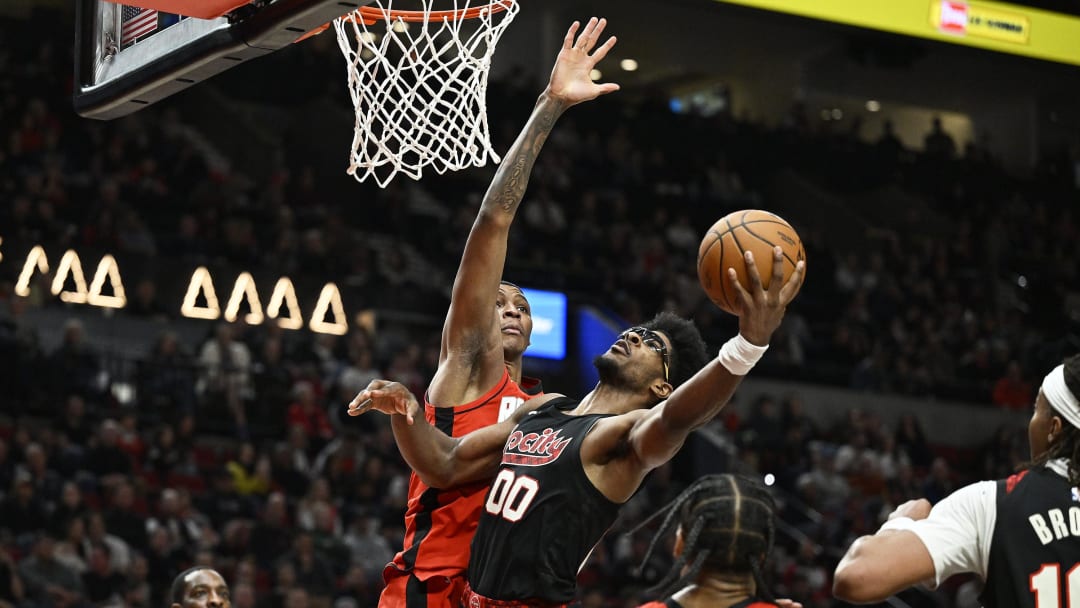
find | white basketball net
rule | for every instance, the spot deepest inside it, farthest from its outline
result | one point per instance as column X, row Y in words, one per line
column 419, row 89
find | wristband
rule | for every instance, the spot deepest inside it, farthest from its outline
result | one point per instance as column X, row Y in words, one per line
column 898, row 523
column 738, row 355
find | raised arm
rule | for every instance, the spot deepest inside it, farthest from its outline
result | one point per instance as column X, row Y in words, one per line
column 656, row 437
column 470, row 329
column 439, row 460
column 629, row 448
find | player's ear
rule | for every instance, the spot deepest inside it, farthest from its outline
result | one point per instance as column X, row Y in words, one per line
column 662, row 389
column 1055, row 426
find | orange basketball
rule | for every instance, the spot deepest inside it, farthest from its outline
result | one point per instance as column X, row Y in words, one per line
column 724, row 244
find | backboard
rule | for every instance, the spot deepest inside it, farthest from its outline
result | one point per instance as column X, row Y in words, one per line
column 128, row 57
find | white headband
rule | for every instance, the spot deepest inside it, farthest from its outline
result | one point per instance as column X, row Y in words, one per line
column 1060, row 397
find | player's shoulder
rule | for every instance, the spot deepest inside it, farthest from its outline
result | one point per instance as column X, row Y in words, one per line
column 531, row 406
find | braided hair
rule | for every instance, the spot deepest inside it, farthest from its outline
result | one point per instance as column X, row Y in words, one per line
column 1067, row 445
column 727, row 523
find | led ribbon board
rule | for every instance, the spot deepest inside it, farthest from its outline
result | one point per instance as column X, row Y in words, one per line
column 995, row 26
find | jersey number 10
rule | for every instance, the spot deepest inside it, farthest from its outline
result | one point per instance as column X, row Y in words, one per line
column 1045, row 583
column 511, row 496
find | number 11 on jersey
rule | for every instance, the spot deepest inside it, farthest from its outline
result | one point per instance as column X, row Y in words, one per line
column 1045, row 583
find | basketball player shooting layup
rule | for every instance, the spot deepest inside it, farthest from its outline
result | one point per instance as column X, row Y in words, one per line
column 479, row 381
column 563, row 468
column 1020, row 535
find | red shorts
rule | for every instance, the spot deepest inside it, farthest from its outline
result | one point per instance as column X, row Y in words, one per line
column 404, row 590
column 475, row 600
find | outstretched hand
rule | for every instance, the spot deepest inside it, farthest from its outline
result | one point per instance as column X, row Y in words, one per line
column 761, row 310
column 386, row 397
column 570, row 78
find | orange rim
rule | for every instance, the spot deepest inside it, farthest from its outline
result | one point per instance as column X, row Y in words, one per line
column 371, row 15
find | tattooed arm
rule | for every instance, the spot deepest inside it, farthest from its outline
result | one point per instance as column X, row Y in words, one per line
column 471, row 357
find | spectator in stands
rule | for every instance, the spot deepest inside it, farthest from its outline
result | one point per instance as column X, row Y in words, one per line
column 888, row 145
column 313, row 572
column 370, row 549
column 273, row 380
column 222, row 503
column 243, row 471
column 7, row 468
column 1011, row 390
column 243, row 596
column 184, row 534
column 49, row 582
column 938, row 144
column 164, row 457
column 167, row 376
column 103, row 585
column 306, row 413
column 162, row 560
column 226, row 374
column 271, row 536
column 106, row 459
column 12, row 591
column 47, row 482
column 137, row 591
column 74, row 365
column 75, row 422
column 122, row 518
column 96, row 534
column 23, row 512
column 144, row 302
column 72, row 548
column 70, row 506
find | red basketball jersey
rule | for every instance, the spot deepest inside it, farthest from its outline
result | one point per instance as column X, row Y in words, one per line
column 439, row 524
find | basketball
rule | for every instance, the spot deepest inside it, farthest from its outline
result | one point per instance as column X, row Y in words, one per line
column 736, row 233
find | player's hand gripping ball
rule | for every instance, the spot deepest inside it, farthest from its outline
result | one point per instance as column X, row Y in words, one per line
column 729, row 238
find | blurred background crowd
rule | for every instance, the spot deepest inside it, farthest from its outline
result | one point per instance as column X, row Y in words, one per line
column 933, row 273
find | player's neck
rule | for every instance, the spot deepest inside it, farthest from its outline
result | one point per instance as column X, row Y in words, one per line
column 609, row 399
column 514, row 369
column 715, row 593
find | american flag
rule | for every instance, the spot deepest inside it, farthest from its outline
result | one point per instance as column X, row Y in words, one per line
column 136, row 22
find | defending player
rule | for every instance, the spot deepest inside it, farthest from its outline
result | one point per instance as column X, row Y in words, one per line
column 479, row 381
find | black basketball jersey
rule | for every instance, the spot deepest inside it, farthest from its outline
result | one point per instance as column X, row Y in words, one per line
column 542, row 515
column 1035, row 551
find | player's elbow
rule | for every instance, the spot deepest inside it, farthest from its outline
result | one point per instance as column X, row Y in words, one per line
column 858, row 579
column 852, row 583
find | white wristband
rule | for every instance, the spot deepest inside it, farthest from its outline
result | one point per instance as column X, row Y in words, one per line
column 898, row 523
column 739, row 356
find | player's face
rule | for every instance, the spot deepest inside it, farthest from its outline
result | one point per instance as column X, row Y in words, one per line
column 638, row 357
column 1044, row 423
column 205, row 589
column 514, row 317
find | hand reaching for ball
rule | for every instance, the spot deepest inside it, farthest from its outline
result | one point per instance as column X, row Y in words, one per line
column 761, row 309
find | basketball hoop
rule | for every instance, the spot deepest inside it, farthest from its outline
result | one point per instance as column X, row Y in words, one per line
column 419, row 90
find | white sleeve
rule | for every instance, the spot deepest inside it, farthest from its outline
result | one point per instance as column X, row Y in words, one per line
column 959, row 530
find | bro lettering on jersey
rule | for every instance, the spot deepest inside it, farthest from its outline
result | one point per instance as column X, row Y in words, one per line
column 534, row 449
column 1056, row 525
